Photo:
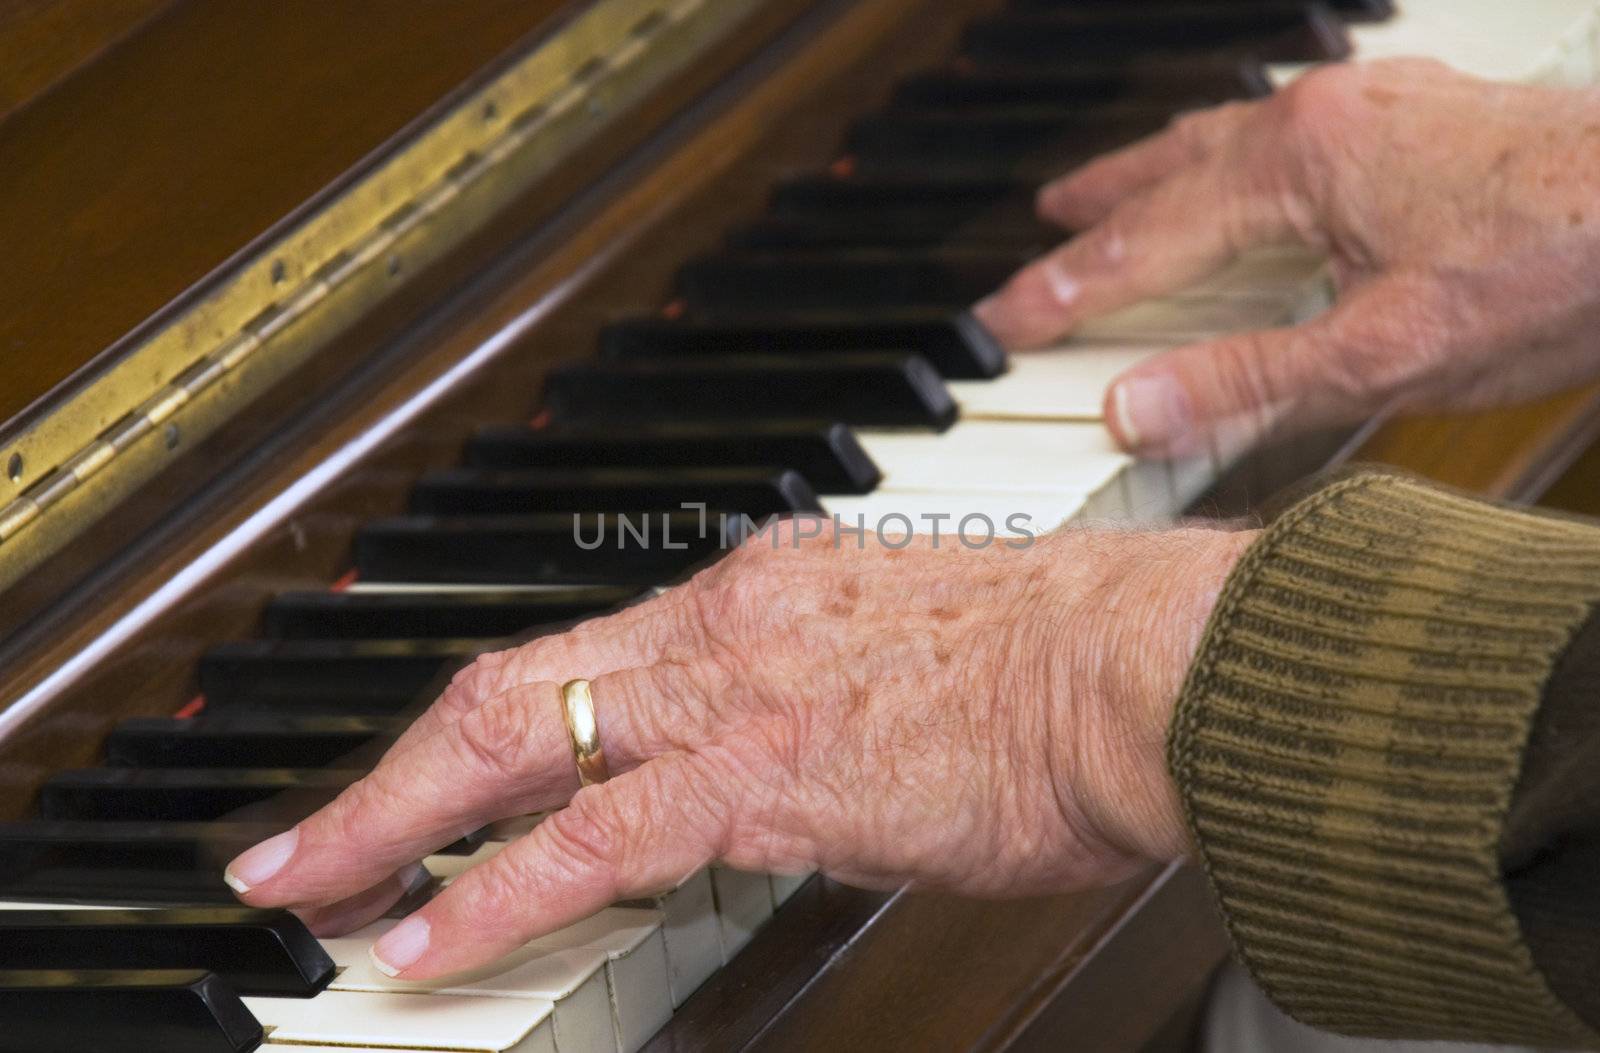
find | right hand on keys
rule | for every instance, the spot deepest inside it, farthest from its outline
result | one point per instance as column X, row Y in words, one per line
column 1462, row 220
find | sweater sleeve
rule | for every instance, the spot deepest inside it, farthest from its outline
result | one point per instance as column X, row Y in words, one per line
column 1385, row 750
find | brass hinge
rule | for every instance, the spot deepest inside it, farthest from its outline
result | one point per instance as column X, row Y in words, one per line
column 279, row 307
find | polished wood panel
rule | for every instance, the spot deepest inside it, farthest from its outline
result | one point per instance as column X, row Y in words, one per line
column 45, row 41
column 152, row 166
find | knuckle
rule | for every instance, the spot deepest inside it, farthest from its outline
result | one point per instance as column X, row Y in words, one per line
column 586, row 840
column 1319, row 98
column 500, row 892
column 490, row 739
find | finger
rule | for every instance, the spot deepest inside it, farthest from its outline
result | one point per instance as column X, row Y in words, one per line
column 639, row 834
column 1229, row 394
column 509, row 756
column 1086, row 196
column 367, row 906
column 630, row 638
column 1152, row 244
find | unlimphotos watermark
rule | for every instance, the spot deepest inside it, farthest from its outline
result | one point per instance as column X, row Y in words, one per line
column 696, row 526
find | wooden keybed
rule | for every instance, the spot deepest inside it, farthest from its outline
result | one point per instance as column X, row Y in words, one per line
column 1116, row 969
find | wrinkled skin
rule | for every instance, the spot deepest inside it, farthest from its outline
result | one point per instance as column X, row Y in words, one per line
column 1461, row 217
column 990, row 722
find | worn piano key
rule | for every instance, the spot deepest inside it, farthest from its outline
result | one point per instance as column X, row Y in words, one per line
column 244, row 740
column 408, row 1021
column 626, row 548
column 784, row 886
column 892, row 390
column 827, row 454
column 955, row 344
column 93, row 1010
column 1059, row 38
column 255, row 951
column 757, row 492
column 692, row 933
column 1013, row 456
column 864, row 280
column 636, row 968
column 360, row 676
column 122, row 862
column 1180, row 84
column 482, row 614
column 573, row 979
column 744, row 903
column 1061, row 384
column 183, row 794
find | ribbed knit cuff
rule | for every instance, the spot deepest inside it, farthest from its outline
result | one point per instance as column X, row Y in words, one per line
column 1347, row 744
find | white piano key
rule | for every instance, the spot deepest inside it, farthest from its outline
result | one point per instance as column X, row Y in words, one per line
column 996, row 456
column 408, row 1021
column 1285, row 271
column 1066, row 383
column 1014, row 515
column 573, row 979
column 744, row 903
column 448, row 868
column 1193, row 317
column 785, row 886
column 692, row 934
column 636, row 967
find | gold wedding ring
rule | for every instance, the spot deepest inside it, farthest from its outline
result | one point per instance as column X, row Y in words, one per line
column 577, row 706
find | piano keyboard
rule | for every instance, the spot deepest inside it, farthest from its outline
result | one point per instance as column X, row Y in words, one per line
column 821, row 363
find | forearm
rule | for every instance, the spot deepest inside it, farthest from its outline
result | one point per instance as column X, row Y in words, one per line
column 1348, row 747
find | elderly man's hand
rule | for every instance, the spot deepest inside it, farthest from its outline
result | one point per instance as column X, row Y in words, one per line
column 985, row 721
column 1461, row 216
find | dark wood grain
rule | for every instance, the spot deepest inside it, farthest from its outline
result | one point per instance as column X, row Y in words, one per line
column 44, row 42
column 133, row 179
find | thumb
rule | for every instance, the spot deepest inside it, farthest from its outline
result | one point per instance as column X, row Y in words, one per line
column 1229, row 394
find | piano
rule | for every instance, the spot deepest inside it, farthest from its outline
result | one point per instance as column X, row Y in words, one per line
column 323, row 321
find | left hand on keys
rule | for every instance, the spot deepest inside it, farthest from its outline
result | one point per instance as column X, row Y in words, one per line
column 985, row 721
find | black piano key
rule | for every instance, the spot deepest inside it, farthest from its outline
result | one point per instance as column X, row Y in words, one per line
column 739, row 284
column 957, row 345
column 303, row 674
column 867, row 389
column 536, row 550
column 828, row 455
column 185, row 794
column 477, row 614
column 1179, row 85
column 95, row 1010
column 866, row 197
column 958, row 144
column 1061, row 38
column 758, row 492
column 257, row 952
column 245, row 740
column 896, row 230
column 122, row 862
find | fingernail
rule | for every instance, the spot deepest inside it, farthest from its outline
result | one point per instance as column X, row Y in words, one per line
column 1064, row 288
column 1151, row 410
column 258, row 864
column 401, row 946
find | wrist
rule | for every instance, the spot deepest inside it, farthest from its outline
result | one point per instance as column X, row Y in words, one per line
column 1144, row 623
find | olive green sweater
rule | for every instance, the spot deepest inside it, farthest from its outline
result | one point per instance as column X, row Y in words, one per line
column 1388, row 749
